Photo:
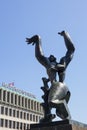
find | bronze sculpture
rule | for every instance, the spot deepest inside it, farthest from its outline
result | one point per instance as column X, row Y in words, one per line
column 57, row 96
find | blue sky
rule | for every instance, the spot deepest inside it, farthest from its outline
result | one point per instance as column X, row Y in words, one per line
column 23, row 18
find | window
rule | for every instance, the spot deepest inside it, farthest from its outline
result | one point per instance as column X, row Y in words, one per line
column 13, row 124
column 17, row 125
column 6, row 111
column 14, row 113
column 6, row 123
column 27, row 116
column 26, row 102
column 21, row 115
column 19, row 100
column 35, row 105
column 4, row 95
column 33, row 117
column 27, row 126
column 8, row 97
column 40, row 108
column 2, row 122
column 29, row 103
column 21, row 125
column 32, row 104
column 10, row 124
column 30, row 117
column 10, row 112
column 2, row 110
column 15, row 99
column 0, row 94
column 12, row 99
column 22, row 101
column 24, row 126
column 36, row 118
column 24, row 115
column 18, row 114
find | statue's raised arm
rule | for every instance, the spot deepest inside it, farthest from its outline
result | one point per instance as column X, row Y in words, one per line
column 38, row 49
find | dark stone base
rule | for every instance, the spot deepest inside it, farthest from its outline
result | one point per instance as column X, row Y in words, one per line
column 59, row 125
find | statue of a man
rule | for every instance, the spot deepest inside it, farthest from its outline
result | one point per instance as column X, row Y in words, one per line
column 58, row 94
column 52, row 66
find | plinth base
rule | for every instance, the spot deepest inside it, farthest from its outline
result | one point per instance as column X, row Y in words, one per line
column 59, row 125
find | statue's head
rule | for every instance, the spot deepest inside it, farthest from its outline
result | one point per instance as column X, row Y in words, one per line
column 52, row 58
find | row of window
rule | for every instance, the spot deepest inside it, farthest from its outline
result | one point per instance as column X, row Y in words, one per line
column 20, row 101
column 19, row 114
column 13, row 124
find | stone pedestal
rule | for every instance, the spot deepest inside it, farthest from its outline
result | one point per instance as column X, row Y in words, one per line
column 59, row 125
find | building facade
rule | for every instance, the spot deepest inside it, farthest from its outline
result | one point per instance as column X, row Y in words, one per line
column 18, row 109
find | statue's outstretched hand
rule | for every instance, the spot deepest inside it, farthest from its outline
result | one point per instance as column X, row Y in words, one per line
column 61, row 33
column 29, row 41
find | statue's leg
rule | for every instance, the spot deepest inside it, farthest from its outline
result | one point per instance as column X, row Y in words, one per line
column 58, row 98
column 62, row 110
column 47, row 109
column 61, row 76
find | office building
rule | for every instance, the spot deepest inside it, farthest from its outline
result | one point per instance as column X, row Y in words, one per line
column 18, row 109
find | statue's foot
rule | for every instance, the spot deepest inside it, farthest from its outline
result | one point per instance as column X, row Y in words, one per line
column 62, row 110
column 33, row 39
column 63, row 115
column 47, row 118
